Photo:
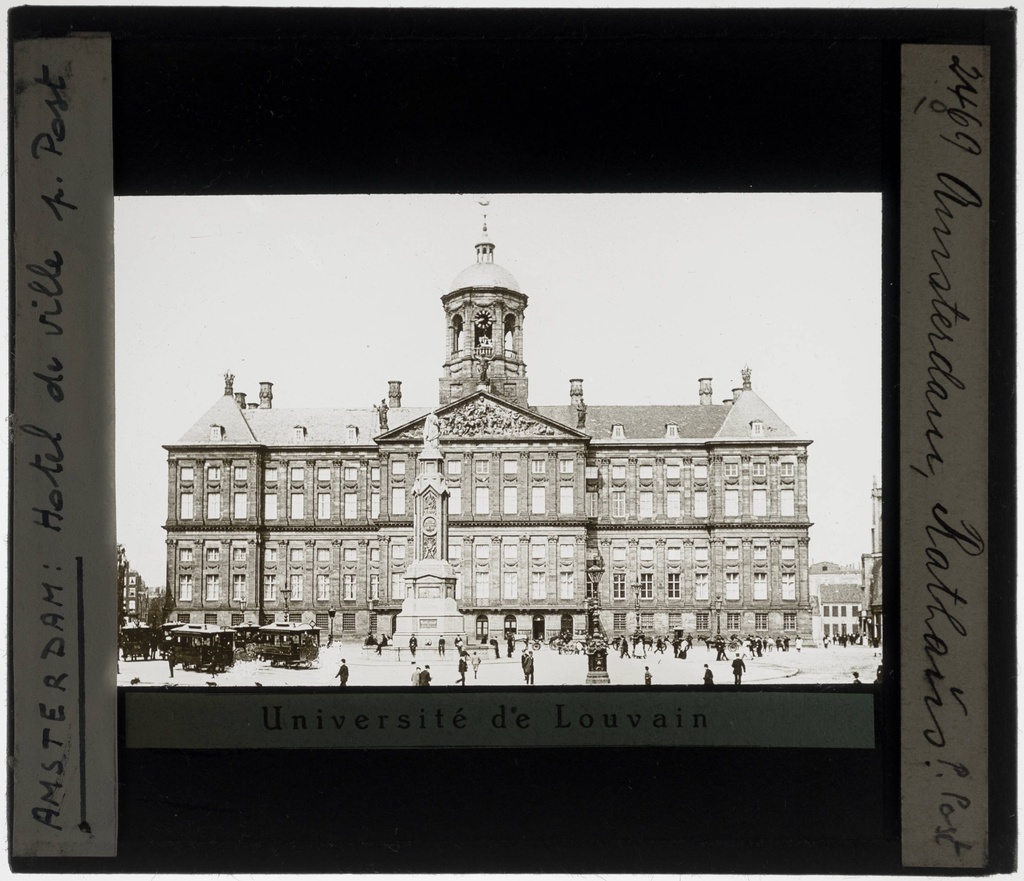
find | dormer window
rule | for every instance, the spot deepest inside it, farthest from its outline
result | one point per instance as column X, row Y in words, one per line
column 672, row 430
column 299, row 433
column 352, row 434
column 757, row 428
column 216, row 432
column 617, row 431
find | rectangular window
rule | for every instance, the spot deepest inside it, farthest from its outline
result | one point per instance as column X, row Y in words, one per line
column 323, row 555
column 826, row 612
column 842, row 611
column 213, row 554
column 853, row 611
column 760, row 585
column 788, row 586
column 675, row 590
column 700, row 586
column 538, row 586
column 789, row 621
column 674, row 553
column 397, row 552
column 241, row 506
column 185, row 588
column 786, row 507
column 618, row 553
column 646, row 504
column 672, row 471
column 732, row 469
column 375, row 586
column 510, row 466
column 700, row 503
column 566, row 586
column 398, row 467
column 672, row 504
column 759, row 503
column 565, row 505
column 213, row 506
column 241, row 472
column 351, row 505
column 187, row 473
column 509, row 500
column 323, row 505
column 187, row 507
column 397, row 586
column 210, row 618
column 538, row 495
column 482, row 500
column 270, row 506
column 297, row 554
column 271, row 474
column 348, row 622
column 455, row 550
column 675, row 620
column 647, row 554
column 760, row 551
column 760, row 469
column 295, row 582
column 647, row 472
column 732, row 551
column 787, row 469
column 591, row 502
column 732, row 503
column 482, row 551
column 618, row 504
column 700, row 554
column 761, row 621
column 565, row 466
column 237, row 587
column 647, row 585
column 619, row 586
column 700, row 470
column 270, row 588
column 213, row 472
column 375, row 554
column 454, row 500
column 350, row 473
column 619, row 621
column 510, row 551
column 482, row 586
column 348, row 586
column 482, row 467
column 213, row 587
column 788, row 553
column 703, row 621
column 398, row 501
column 618, row 471
column 538, row 551
column 375, row 474
column 374, row 505
column 298, row 474
column 185, row 555
column 647, row 620
column 539, row 466
column 298, row 506
column 732, row 585
column 239, row 553
column 455, row 467
column 510, row 585
column 732, row 620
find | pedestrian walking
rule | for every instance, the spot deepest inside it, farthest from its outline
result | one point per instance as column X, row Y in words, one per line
column 522, row 662
column 800, row 643
column 709, row 677
column 463, row 669
column 510, row 644
column 458, row 644
column 528, row 668
column 494, row 645
column 738, row 669
column 413, row 642
column 856, row 680
column 440, row 647
column 342, row 674
column 623, row 647
column 785, row 643
column 425, row 676
column 647, row 676
column 416, row 674
column 170, row 660
column 476, row 663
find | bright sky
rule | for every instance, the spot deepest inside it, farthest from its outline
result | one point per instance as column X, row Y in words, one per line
column 329, row 297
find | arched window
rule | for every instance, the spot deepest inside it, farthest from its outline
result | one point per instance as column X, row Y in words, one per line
column 510, row 330
column 481, row 628
column 510, row 625
column 457, row 334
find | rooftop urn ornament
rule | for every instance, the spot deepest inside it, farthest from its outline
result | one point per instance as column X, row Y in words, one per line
column 229, row 383
column 745, row 372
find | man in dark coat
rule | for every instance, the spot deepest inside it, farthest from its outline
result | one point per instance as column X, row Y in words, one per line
column 440, row 646
column 494, row 645
column 425, row 676
column 528, row 668
column 463, row 669
column 738, row 669
column 709, row 677
column 413, row 642
column 510, row 644
column 342, row 674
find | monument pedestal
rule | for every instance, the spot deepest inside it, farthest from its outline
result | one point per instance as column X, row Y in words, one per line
column 429, row 610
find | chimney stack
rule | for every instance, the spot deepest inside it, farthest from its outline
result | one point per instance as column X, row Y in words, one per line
column 240, row 400
column 575, row 389
column 735, row 395
column 394, row 393
column 266, row 395
column 705, row 389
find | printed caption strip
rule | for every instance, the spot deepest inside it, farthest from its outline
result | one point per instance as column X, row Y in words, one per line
column 944, row 241
column 64, row 700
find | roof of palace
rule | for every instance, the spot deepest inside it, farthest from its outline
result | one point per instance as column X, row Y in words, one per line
column 841, row 593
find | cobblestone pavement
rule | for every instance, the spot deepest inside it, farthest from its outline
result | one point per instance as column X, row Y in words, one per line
column 812, row 665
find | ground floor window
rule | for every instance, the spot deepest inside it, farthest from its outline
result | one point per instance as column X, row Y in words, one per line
column 761, row 621
column 647, row 620
column 675, row 620
column 295, row 617
column 236, row 619
column 348, row 622
column 732, row 620
column 703, row 621
column 184, row 617
column 323, row 621
column 210, row 618
column 619, row 621
column 481, row 628
column 373, row 622
column 789, row 620
column 510, row 625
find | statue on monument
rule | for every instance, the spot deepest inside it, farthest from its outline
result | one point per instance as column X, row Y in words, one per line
column 431, row 433
column 483, row 371
column 382, row 414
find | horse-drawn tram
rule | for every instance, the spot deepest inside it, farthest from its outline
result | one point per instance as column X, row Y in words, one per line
column 246, row 639
column 138, row 642
column 208, row 648
column 288, row 644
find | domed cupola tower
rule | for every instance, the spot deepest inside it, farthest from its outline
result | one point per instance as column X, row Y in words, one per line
column 484, row 331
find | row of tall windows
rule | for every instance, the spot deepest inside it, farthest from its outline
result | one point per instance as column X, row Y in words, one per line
column 673, row 587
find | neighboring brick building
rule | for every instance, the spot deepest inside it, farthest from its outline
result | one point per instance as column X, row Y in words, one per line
column 842, row 609
column 695, row 513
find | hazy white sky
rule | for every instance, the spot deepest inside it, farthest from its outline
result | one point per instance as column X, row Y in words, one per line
column 329, row 297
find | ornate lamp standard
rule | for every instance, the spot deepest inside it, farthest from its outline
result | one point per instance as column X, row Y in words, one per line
column 243, row 604
column 331, row 612
column 597, row 640
column 718, row 617
column 636, row 597
column 286, row 592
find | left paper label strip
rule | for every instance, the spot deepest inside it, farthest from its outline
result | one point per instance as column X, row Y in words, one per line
column 63, row 752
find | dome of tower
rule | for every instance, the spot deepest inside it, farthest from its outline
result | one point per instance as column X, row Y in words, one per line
column 485, row 273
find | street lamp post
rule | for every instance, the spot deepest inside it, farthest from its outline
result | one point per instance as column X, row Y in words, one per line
column 286, row 592
column 331, row 612
column 597, row 642
column 718, row 617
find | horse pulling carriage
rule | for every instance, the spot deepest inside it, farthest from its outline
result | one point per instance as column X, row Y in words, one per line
column 246, row 641
column 208, row 648
column 288, row 644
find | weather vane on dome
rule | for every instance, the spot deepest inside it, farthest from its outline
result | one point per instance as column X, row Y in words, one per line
column 483, row 203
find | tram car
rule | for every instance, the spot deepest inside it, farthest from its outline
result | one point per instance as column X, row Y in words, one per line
column 288, row 644
column 208, row 648
column 138, row 642
column 246, row 641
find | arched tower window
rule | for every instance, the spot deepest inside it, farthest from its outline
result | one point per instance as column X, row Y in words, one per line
column 457, row 342
column 510, row 331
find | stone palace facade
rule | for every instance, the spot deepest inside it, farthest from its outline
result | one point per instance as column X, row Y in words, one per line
column 687, row 517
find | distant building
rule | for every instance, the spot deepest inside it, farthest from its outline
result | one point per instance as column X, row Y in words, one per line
column 842, row 607
column 824, row 574
column 871, row 569
column 681, row 516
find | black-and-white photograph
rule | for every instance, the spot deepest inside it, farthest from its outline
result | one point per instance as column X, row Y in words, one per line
column 499, row 439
